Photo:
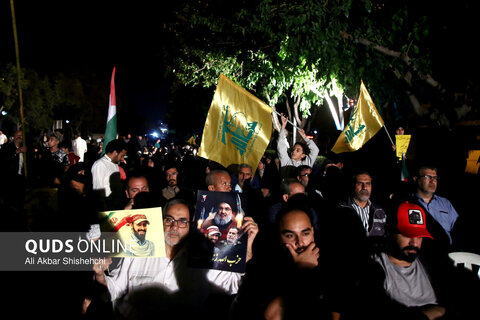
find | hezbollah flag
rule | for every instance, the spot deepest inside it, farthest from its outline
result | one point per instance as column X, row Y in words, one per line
column 238, row 126
column 364, row 123
column 111, row 129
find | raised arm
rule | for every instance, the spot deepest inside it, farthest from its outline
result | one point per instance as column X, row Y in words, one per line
column 282, row 144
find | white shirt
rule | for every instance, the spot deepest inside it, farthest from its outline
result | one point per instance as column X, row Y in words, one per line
column 79, row 147
column 363, row 213
column 3, row 139
column 192, row 288
column 102, row 169
column 285, row 160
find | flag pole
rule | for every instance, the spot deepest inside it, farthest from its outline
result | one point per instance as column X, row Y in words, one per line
column 388, row 135
column 295, row 126
column 20, row 96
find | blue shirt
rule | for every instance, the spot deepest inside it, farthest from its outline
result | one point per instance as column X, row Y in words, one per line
column 441, row 210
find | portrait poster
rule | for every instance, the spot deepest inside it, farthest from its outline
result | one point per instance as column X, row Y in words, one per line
column 140, row 232
column 219, row 218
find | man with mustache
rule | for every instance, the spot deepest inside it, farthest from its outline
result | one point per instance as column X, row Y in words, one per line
column 397, row 280
column 438, row 207
column 289, row 280
column 362, row 224
column 406, row 280
column 185, row 288
column 223, row 219
column 372, row 216
column 136, row 183
column 174, row 187
column 141, row 247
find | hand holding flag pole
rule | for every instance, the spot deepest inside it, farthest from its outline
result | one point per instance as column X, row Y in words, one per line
column 281, row 115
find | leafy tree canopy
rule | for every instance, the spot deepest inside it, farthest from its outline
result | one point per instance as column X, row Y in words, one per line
column 307, row 48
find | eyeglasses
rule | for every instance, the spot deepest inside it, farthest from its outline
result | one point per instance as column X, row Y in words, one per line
column 429, row 177
column 304, row 175
column 181, row 223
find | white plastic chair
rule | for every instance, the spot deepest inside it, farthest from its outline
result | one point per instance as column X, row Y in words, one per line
column 468, row 259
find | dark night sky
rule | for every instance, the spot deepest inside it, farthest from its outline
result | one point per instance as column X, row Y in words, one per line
column 93, row 36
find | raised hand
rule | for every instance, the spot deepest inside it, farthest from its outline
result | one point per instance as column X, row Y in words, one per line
column 284, row 121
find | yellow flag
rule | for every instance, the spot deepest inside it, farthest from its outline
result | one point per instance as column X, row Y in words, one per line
column 364, row 123
column 192, row 140
column 238, row 126
column 473, row 161
column 402, row 142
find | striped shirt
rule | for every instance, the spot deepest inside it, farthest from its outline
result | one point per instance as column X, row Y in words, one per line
column 363, row 213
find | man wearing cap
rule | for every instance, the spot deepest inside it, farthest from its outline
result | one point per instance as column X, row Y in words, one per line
column 213, row 233
column 438, row 207
column 139, row 245
column 406, row 279
column 404, row 283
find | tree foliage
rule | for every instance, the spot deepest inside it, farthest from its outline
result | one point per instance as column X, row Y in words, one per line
column 306, row 49
column 48, row 99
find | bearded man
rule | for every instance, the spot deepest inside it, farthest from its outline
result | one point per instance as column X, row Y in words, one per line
column 372, row 216
column 223, row 219
column 141, row 247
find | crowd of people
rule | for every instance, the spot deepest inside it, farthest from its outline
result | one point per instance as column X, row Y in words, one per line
column 319, row 245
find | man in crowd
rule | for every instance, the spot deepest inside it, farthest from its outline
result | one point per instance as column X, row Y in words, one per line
column 438, row 207
column 79, row 146
column 362, row 224
column 218, row 180
column 106, row 175
column 371, row 215
column 244, row 177
column 187, row 288
column 12, row 170
column 286, row 282
column 406, row 282
column 136, row 183
column 288, row 188
column 315, row 196
column 54, row 161
column 174, row 188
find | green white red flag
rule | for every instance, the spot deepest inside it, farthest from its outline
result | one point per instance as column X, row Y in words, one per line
column 111, row 129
